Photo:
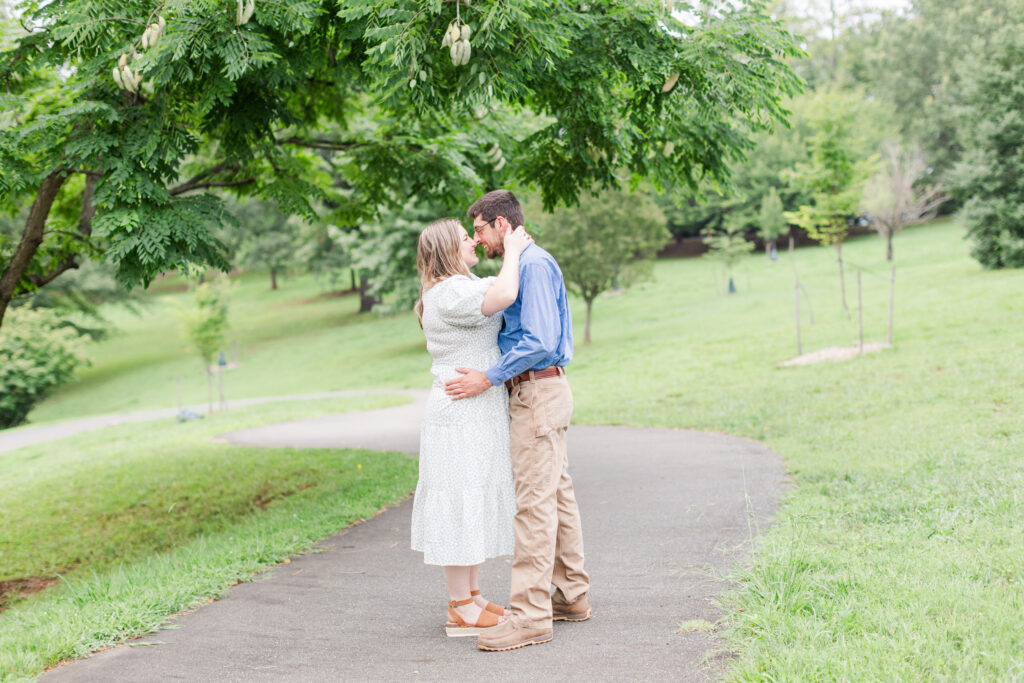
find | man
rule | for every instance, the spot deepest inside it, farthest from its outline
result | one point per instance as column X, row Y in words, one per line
column 536, row 345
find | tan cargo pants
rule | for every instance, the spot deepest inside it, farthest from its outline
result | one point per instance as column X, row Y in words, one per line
column 549, row 540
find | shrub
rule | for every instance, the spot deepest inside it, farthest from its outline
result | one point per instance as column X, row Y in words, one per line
column 36, row 355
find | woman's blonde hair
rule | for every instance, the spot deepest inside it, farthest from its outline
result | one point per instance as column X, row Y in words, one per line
column 438, row 256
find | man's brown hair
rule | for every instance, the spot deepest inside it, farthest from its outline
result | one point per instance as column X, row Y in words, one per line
column 498, row 203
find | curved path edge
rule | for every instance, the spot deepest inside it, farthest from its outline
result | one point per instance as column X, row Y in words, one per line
column 19, row 437
column 667, row 515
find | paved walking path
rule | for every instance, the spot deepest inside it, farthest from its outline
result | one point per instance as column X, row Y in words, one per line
column 26, row 436
column 666, row 514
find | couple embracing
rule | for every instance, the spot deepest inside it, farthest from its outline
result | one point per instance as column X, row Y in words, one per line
column 494, row 474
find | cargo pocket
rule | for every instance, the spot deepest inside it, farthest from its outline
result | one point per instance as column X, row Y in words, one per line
column 552, row 406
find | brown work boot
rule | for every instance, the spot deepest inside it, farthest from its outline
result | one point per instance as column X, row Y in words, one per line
column 566, row 611
column 508, row 636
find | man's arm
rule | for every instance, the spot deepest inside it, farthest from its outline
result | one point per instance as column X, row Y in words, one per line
column 541, row 330
column 472, row 383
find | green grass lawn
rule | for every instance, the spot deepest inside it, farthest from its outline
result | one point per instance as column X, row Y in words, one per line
column 138, row 533
column 898, row 553
column 294, row 340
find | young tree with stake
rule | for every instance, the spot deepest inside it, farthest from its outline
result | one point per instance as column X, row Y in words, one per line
column 893, row 196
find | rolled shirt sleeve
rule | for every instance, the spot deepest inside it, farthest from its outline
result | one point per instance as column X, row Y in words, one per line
column 540, row 322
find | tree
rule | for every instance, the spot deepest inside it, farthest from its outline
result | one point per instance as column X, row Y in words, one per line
column 322, row 251
column 894, row 197
column 727, row 246
column 611, row 237
column 384, row 253
column 771, row 220
column 915, row 64
column 835, row 178
column 124, row 115
column 206, row 326
column 991, row 176
column 695, row 212
column 266, row 238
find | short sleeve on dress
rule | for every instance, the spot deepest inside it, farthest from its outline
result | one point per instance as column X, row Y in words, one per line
column 459, row 300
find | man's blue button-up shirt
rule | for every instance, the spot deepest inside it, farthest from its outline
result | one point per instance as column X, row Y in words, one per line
column 538, row 327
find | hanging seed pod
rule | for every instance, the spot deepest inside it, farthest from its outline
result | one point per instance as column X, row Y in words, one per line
column 250, row 7
column 465, row 31
column 123, row 61
column 670, row 83
column 466, row 51
column 129, row 79
column 500, row 165
column 117, row 78
column 239, row 9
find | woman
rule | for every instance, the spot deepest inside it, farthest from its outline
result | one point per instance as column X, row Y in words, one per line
column 465, row 502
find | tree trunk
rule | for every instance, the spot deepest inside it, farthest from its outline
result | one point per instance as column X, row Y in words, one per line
column 586, row 328
column 273, row 278
column 888, row 246
column 31, row 238
column 68, row 261
column 352, row 272
column 366, row 300
column 842, row 278
column 209, row 387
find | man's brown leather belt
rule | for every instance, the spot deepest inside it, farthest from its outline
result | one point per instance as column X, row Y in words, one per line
column 553, row 371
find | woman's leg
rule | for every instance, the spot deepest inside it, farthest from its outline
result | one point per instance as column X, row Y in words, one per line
column 458, row 582
column 462, row 580
column 474, row 585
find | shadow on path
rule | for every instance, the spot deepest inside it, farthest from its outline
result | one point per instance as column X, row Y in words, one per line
column 666, row 514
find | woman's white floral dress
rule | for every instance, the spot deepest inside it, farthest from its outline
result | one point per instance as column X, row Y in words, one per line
column 465, row 499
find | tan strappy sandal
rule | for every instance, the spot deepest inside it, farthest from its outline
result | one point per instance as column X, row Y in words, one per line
column 491, row 607
column 456, row 626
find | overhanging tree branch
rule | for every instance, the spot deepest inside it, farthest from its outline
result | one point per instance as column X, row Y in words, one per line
column 200, row 186
column 338, row 145
column 199, row 181
column 70, row 261
column 31, row 237
column 318, row 143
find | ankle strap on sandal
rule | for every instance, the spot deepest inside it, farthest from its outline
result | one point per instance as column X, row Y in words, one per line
column 459, row 603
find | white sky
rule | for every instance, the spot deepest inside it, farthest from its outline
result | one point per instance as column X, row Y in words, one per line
column 821, row 8
column 849, row 4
